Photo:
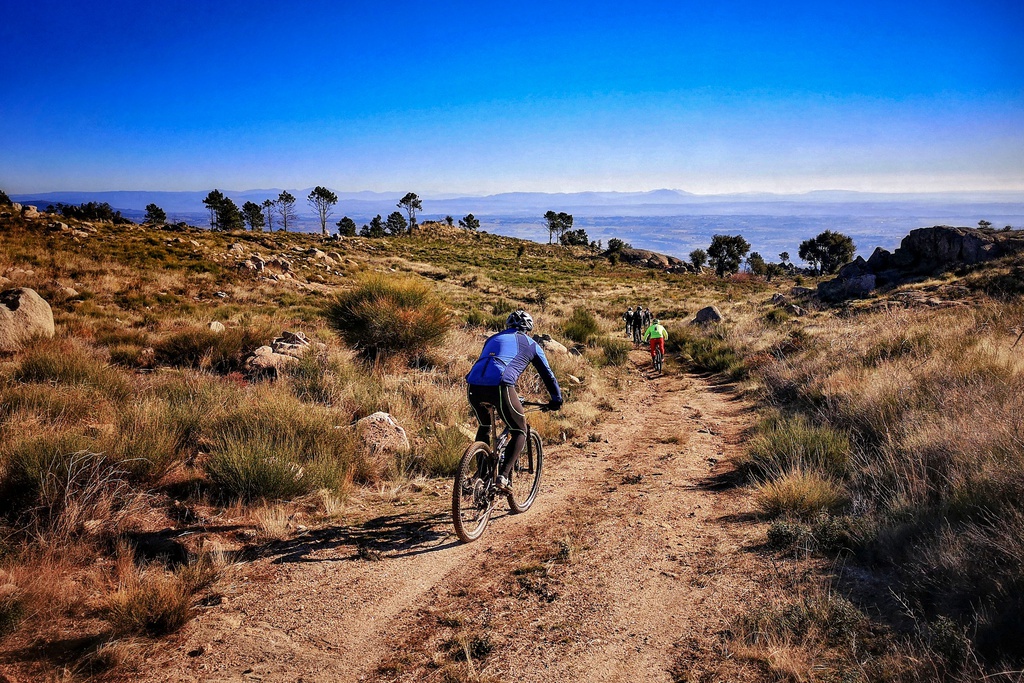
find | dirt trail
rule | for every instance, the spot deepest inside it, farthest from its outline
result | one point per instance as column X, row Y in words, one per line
column 628, row 567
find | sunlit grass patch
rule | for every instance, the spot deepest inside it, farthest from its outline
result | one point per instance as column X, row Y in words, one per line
column 802, row 494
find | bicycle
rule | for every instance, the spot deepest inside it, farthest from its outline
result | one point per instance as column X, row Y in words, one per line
column 659, row 359
column 475, row 489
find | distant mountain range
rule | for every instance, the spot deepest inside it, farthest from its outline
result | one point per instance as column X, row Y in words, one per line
column 362, row 205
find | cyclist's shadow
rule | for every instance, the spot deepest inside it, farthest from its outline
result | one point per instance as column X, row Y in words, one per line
column 384, row 537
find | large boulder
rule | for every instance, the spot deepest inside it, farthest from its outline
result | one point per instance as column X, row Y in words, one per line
column 549, row 344
column 707, row 315
column 24, row 315
column 840, row 288
column 649, row 259
column 264, row 362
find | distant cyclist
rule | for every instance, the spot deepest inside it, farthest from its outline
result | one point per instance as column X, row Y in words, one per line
column 493, row 379
column 656, row 335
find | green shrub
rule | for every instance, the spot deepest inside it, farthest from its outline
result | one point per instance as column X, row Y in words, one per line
column 582, row 326
column 616, row 351
column 776, row 316
column 783, row 444
column 390, row 316
column 202, row 348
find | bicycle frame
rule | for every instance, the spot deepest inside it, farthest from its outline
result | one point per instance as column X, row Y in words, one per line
column 496, row 439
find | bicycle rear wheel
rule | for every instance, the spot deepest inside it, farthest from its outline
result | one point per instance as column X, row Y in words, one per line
column 471, row 504
column 526, row 475
column 659, row 359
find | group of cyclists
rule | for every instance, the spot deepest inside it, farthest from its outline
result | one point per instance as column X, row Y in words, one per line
column 642, row 326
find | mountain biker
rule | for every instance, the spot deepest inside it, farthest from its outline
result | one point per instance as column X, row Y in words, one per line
column 638, row 325
column 628, row 317
column 657, row 335
column 493, row 380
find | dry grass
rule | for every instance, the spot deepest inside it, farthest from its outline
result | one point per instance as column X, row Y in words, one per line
column 801, row 494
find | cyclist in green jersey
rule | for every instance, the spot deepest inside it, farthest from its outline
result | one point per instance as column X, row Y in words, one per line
column 656, row 335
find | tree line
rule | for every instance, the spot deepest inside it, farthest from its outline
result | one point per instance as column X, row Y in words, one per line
column 826, row 253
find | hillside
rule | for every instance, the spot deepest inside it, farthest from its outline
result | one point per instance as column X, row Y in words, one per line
column 809, row 492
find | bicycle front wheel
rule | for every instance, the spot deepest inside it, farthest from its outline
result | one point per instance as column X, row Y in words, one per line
column 471, row 503
column 526, row 475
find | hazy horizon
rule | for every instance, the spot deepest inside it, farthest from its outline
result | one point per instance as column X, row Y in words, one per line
column 727, row 97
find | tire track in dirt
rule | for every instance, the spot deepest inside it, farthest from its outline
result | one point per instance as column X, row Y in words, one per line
column 654, row 569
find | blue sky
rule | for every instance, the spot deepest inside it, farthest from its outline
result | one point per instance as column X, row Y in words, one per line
column 488, row 97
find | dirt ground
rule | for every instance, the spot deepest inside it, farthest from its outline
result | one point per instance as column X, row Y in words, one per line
column 629, row 567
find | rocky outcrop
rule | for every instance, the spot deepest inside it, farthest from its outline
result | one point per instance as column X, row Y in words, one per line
column 708, row 315
column 650, row 259
column 925, row 251
column 24, row 316
column 282, row 353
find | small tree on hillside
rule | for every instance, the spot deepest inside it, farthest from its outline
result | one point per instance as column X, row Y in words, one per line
column 411, row 203
column 253, row 215
column 616, row 245
column 449, row 221
column 557, row 223
column 698, row 258
column 155, row 215
column 229, row 217
column 784, row 257
column 213, row 202
column 322, row 200
column 758, row 266
column 269, row 207
column 4, row 199
column 346, row 227
column 286, row 209
column 374, row 229
column 395, row 225
column 470, row 222
column 827, row 252
column 726, row 253
column 984, row 224
column 575, row 238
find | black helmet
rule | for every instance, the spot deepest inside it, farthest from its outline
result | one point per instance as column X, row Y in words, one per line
column 520, row 320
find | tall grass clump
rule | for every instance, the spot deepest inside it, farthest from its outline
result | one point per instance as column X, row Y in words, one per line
column 59, row 362
column 387, row 316
column 444, row 451
column 707, row 350
column 202, row 348
column 800, row 493
column 616, row 351
column 279, row 452
column 581, row 327
column 787, row 443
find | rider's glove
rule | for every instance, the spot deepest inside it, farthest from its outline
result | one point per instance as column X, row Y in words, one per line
column 554, row 404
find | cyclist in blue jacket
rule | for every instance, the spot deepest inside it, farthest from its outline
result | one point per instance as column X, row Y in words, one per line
column 493, row 380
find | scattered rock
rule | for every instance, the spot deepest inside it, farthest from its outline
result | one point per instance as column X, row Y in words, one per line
column 254, row 263
column 650, row 259
column 801, row 291
column 16, row 207
column 292, row 344
column 382, row 438
column 30, row 212
column 549, row 344
column 264, row 362
column 236, row 249
column 216, row 327
column 24, row 315
column 575, row 380
column 779, row 299
column 710, row 314
column 793, row 309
